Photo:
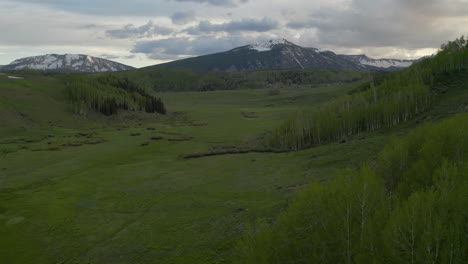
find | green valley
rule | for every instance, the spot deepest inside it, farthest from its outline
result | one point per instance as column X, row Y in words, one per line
column 295, row 166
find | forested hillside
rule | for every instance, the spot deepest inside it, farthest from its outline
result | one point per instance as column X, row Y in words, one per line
column 409, row 208
column 399, row 98
column 408, row 205
column 178, row 79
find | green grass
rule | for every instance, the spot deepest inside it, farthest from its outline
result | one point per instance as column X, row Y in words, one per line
column 120, row 202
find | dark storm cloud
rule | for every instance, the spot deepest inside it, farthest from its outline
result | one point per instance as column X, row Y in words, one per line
column 397, row 23
column 172, row 48
column 182, row 18
column 245, row 24
column 130, row 31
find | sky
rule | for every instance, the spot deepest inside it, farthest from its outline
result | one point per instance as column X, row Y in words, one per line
column 148, row 32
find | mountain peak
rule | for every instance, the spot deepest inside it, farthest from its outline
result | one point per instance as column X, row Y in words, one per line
column 282, row 54
column 268, row 45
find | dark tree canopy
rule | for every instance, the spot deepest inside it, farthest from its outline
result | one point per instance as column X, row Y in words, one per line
column 108, row 93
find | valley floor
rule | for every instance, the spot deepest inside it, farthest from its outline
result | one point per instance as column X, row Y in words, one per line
column 119, row 191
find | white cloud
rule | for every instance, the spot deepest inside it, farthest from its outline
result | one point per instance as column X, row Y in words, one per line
column 242, row 25
column 176, row 48
column 147, row 30
column 389, row 28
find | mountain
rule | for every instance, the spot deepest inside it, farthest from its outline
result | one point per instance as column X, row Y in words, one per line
column 282, row 54
column 67, row 63
column 379, row 63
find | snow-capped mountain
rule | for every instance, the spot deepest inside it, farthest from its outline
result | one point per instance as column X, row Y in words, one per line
column 282, row 54
column 67, row 63
column 381, row 63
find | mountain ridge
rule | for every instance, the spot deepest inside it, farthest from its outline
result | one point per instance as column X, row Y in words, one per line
column 283, row 54
column 67, row 63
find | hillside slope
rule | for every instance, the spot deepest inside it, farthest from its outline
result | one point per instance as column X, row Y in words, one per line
column 401, row 97
column 403, row 206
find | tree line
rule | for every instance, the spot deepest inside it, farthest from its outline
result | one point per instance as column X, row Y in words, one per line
column 397, row 98
column 107, row 94
column 178, row 79
column 410, row 208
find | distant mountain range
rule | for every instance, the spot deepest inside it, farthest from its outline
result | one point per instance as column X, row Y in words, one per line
column 269, row 55
column 282, row 54
column 67, row 63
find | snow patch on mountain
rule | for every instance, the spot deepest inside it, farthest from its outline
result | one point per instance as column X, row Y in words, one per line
column 267, row 45
column 71, row 57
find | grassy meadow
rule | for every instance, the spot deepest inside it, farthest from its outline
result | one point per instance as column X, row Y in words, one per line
column 98, row 189
column 117, row 189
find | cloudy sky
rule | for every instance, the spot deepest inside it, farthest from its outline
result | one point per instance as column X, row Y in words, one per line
column 148, row 32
